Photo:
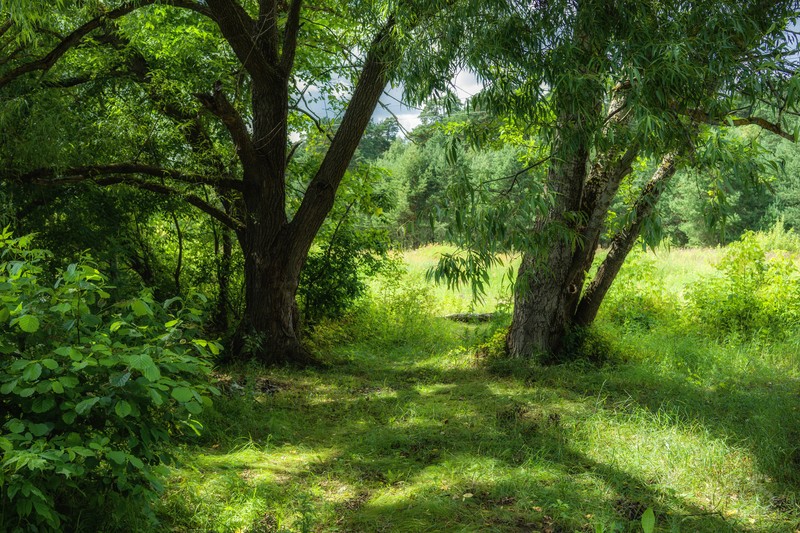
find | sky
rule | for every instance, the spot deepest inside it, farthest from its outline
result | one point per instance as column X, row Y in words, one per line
column 466, row 85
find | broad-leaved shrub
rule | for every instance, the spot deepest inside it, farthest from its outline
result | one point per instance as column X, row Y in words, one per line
column 753, row 293
column 638, row 298
column 91, row 392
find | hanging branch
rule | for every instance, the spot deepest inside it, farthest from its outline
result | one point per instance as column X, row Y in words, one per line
column 46, row 176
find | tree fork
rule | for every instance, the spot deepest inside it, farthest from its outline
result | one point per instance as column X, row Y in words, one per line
column 623, row 242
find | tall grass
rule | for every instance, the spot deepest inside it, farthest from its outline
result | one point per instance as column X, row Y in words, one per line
column 411, row 428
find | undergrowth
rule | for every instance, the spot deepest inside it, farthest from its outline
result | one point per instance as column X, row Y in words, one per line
column 429, row 427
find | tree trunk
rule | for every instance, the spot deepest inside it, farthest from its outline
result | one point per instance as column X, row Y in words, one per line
column 275, row 248
column 542, row 295
column 549, row 290
column 269, row 330
column 623, row 243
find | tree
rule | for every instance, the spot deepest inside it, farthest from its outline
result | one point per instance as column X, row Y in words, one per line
column 256, row 84
column 600, row 86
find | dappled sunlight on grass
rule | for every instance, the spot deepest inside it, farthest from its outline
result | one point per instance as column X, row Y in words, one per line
column 459, row 448
column 390, row 437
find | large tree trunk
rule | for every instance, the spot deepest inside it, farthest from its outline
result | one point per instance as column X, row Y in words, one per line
column 274, row 247
column 269, row 330
column 544, row 287
column 548, row 290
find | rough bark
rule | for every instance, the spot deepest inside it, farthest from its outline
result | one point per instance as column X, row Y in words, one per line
column 548, row 291
column 269, row 329
column 623, row 242
column 275, row 248
column 543, row 287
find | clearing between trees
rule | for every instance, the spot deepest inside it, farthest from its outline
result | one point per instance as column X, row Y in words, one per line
column 415, row 425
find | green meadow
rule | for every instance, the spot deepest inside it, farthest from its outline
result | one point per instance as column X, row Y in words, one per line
column 414, row 423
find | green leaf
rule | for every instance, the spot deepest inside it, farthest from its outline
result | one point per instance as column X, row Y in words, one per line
column 6, row 388
column 69, row 382
column 39, row 430
column 117, row 456
column 43, row 404
column 50, row 364
column 140, row 361
column 15, row 426
column 68, row 351
column 28, row 323
column 182, row 394
column 156, row 396
column 84, row 406
column 649, row 520
column 140, row 308
column 122, row 409
column 194, row 407
column 32, row 372
column 62, row 308
column 116, row 325
column 144, row 363
column 82, row 451
column 152, row 373
column 119, row 380
column 58, row 388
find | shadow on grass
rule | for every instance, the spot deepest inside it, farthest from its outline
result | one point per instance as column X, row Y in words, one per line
column 407, row 443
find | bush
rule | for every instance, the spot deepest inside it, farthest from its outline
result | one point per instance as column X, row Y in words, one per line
column 90, row 392
column 778, row 238
column 638, row 298
column 399, row 312
column 753, row 294
column 335, row 277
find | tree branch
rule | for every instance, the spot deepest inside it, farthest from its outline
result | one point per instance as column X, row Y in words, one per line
column 624, row 240
column 765, row 125
column 219, row 105
column 48, row 175
column 69, row 42
column 191, row 199
column 90, row 174
column 314, row 119
column 6, row 26
column 321, row 191
column 267, row 35
column 240, row 30
column 76, row 37
column 701, row 116
column 290, row 37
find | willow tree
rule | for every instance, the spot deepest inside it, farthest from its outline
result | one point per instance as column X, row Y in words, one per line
column 596, row 87
column 222, row 86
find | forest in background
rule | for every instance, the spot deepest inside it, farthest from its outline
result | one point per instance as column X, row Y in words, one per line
column 194, row 258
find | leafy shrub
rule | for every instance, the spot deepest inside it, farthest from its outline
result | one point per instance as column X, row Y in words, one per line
column 778, row 238
column 335, row 277
column 754, row 293
column 90, row 391
column 638, row 298
column 495, row 346
column 399, row 312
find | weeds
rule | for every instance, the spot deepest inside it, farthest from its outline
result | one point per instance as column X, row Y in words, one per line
column 413, row 432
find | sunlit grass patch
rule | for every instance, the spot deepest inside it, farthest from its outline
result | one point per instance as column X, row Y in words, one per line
column 416, row 431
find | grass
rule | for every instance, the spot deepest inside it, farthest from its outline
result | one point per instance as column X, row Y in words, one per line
column 409, row 430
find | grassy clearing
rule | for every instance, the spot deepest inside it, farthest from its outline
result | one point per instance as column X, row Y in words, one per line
column 409, row 430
